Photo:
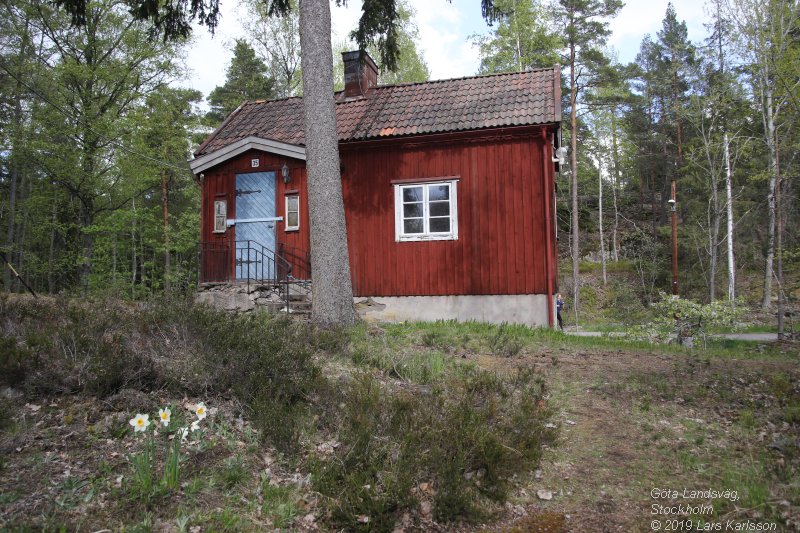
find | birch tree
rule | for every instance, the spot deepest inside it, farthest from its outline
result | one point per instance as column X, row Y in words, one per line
column 766, row 32
column 585, row 25
column 277, row 41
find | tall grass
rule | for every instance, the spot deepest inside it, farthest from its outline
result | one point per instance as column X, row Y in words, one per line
column 410, row 414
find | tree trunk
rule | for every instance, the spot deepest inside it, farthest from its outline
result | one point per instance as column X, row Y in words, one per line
column 770, row 135
column 165, row 210
column 51, row 281
column 654, row 217
column 12, row 209
column 133, row 249
column 573, row 163
column 779, row 239
column 114, row 259
column 614, row 184
column 729, row 223
column 332, row 303
column 713, row 238
column 600, row 224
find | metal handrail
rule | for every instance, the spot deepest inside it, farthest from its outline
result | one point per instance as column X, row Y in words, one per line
column 256, row 263
column 300, row 260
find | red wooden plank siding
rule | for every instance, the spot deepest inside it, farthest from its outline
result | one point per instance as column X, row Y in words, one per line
column 222, row 180
column 502, row 242
column 504, row 181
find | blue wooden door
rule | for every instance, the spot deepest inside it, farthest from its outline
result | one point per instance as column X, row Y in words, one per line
column 255, row 226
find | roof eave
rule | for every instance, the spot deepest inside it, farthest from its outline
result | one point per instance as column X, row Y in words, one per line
column 212, row 159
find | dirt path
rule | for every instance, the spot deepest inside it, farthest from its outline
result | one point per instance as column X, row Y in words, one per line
column 631, row 422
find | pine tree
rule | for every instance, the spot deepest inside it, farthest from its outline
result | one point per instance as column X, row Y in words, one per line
column 586, row 27
column 247, row 78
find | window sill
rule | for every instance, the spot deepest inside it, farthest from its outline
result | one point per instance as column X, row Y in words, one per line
column 423, row 238
column 291, row 230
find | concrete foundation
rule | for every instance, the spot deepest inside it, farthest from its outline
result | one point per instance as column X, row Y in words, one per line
column 527, row 309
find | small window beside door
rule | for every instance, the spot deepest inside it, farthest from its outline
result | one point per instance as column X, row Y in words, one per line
column 292, row 212
column 220, row 215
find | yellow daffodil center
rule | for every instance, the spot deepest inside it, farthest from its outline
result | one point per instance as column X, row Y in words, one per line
column 140, row 422
column 164, row 416
column 200, row 411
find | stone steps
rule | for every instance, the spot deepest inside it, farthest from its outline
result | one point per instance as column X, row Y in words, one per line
column 246, row 297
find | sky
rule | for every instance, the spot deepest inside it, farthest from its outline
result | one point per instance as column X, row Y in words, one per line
column 444, row 30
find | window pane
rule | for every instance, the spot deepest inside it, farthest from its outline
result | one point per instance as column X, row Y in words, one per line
column 440, row 209
column 292, row 219
column 438, row 192
column 440, row 225
column 412, row 210
column 412, row 194
column 292, row 201
column 412, row 226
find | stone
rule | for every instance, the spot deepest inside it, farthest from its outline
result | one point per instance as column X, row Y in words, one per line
column 425, row 508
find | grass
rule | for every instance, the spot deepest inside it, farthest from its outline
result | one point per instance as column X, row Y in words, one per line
column 402, row 406
column 364, row 426
column 516, row 340
column 279, row 503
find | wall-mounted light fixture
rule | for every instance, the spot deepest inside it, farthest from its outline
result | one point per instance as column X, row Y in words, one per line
column 285, row 173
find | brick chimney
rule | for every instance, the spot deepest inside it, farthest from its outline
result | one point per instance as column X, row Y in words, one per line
column 360, row 73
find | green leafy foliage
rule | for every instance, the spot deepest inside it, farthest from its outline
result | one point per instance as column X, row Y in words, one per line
column 247, row 78
column 455, row 444
column 522, row 39
column 686, row 318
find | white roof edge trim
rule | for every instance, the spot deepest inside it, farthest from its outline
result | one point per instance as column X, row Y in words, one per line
column 204, row 162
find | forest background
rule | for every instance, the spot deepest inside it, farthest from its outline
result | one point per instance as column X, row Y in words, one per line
column 96, row 195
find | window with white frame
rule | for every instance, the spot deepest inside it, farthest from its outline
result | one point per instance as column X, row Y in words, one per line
column 292, row 212
column 426, row 211
column 220, row 215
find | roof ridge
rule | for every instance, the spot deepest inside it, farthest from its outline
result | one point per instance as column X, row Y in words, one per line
column 477, row 76
column 454, row 104
column 409, row 84
column 265, row 100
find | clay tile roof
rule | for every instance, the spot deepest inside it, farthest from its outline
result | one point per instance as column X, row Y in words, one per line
column 497, row 100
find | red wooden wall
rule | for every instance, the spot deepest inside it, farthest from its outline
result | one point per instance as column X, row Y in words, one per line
column 502, row 245
column 506, row 235
column 220, row 182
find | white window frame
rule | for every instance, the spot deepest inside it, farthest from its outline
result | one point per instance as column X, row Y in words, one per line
column 426, row 235
column 287, row 227
column 220, row 228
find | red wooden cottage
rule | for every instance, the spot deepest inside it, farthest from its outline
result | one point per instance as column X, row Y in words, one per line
column 448, row 186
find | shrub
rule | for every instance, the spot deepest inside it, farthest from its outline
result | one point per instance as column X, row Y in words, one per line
column 265, row 360
column 463, row 437
column 15, row 361
column 685, row 318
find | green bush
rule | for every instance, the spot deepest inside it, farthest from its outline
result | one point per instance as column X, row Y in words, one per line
column 265, row 360
column 463, row 437
column 15, row 362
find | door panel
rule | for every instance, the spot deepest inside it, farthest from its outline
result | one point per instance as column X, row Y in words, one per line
column 255, row 199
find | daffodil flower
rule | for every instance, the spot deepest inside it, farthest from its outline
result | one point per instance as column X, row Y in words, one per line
column 164, row 415
column 195, row 425
column 200, row 410
column 183, row 433
column 140, row 422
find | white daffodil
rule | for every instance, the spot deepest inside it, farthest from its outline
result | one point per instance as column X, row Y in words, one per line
column 200, row 410
column 183, row 433
column 195, row 425
column 140, row 422
column 164, row 414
